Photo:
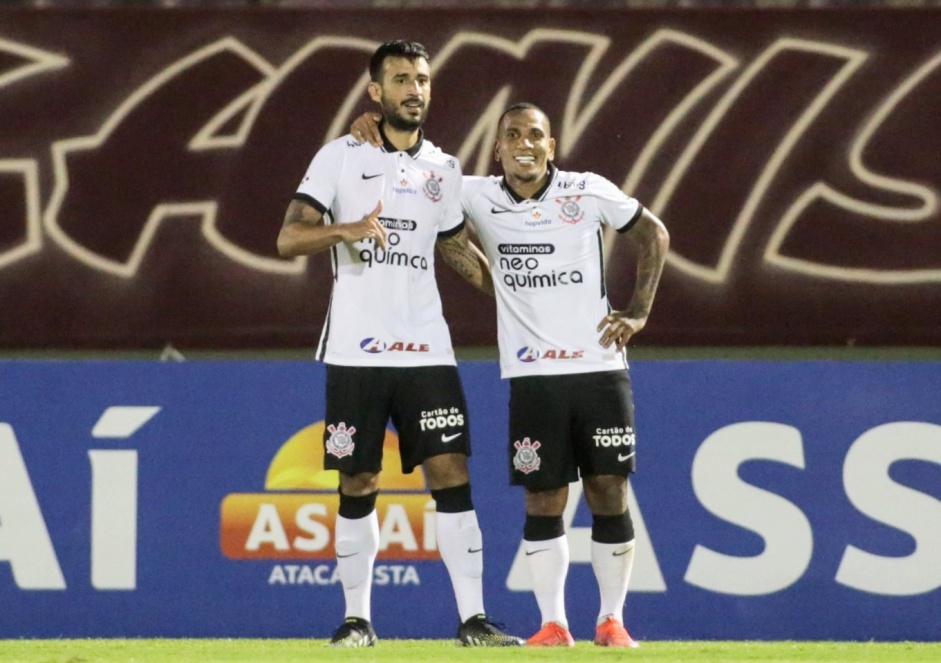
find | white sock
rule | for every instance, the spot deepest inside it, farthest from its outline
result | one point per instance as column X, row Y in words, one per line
column 357, row 544
column 612, row 563
column 461, row 546
column 548, row 563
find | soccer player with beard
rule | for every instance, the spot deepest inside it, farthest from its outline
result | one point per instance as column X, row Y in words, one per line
column 385, row 343
column 563, row 349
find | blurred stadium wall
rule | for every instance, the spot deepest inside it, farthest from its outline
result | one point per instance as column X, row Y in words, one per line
column 149, row 150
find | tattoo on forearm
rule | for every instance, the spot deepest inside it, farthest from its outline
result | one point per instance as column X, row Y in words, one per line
column 651, row 257
column 299, row 212
column 458, row 253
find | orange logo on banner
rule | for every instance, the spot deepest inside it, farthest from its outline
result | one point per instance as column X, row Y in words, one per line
column 295, row 518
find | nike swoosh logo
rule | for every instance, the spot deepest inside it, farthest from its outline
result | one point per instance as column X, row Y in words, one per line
column 533, row 552
column 498, row 210
column 369, row 177
column 623, row 552
column 474, row 550
column 339, row 556
column 621, row 458
column 448, row 438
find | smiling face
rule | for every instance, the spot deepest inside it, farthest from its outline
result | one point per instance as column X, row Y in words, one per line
column 404, row 92
column 524, row 148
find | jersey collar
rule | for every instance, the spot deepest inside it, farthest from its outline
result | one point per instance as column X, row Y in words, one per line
column 412, row 151
column 552, row 170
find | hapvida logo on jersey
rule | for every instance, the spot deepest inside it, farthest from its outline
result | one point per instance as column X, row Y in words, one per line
column 404, row 186
column 375, row 346
column 528, row 354
column 294, row 517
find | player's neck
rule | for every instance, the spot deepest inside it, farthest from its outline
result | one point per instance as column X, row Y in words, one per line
column 401, row 140
column 526, row 189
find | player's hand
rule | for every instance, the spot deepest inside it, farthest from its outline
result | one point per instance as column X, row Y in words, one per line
column 368, row 228
column 365, row 128
column 617, row 328
column 373, row 229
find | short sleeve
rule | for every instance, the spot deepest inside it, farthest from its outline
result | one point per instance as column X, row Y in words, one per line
column 616, row 208
column 453, row 215
column 319, row 185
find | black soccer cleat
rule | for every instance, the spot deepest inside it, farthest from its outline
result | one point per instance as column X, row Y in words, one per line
column 478, row 631
column 354, row 632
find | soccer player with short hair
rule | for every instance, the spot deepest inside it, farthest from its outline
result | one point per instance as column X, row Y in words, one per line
column 381, row 214
column 563, row 349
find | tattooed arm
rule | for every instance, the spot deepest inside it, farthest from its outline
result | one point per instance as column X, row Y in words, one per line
column 468, row 260
column 652, row 240
column 304, row 232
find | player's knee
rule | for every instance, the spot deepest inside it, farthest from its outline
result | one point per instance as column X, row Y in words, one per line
column 606, row 493
column 359, row 484
column 357, row 506
column 543, row 528
column 612, row 529
column 456, row 499
column 446, row 470
column 550, row 502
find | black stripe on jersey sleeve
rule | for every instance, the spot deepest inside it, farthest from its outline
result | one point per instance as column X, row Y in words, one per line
column 310, row 200
column 627, row 226
column 322, row 348
column 452, row 232
column 604, row 292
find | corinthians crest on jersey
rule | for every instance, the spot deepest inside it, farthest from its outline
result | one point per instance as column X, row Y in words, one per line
column 432, row 186
column 571, row 212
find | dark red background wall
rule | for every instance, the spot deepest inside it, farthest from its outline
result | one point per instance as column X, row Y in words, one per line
column 147, row 157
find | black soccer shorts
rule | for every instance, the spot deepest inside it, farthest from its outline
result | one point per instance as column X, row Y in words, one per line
column 563, row 426
column 426, row 404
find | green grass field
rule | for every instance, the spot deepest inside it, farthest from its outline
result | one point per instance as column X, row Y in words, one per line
column 427, row 651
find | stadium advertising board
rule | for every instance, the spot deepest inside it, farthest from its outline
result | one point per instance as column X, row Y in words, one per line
column 773, row 500
column 785, row 150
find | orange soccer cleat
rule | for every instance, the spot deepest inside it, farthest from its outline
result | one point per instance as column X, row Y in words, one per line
column 611, row 633
column 552, row 634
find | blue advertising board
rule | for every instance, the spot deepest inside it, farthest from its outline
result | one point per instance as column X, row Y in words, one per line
column 773, row 500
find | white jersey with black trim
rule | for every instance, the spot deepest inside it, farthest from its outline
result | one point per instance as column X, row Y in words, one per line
column 385, row 309
column 546, row 254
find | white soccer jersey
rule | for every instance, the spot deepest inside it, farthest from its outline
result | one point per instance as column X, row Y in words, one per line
column 546, row 256
column 385, row 309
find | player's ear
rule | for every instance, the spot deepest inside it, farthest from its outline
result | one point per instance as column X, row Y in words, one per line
column 496, row 151
column 375, row 91
column 551, row 155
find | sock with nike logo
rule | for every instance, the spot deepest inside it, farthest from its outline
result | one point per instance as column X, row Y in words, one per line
column 461, row 546
column 357, row 544
column 612, row 564
column 548, row 563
